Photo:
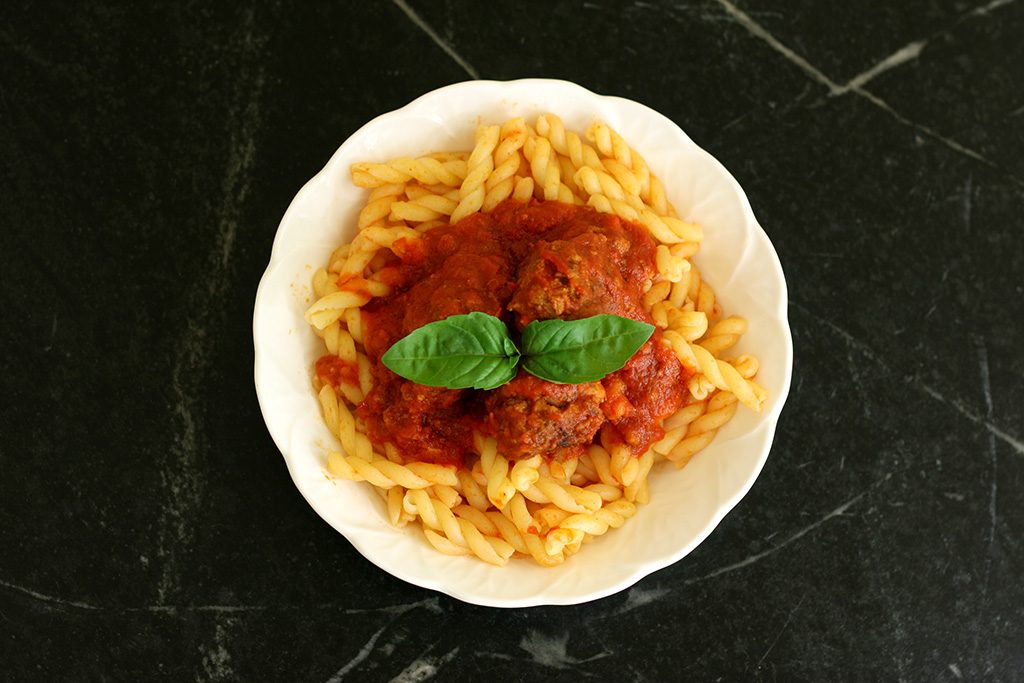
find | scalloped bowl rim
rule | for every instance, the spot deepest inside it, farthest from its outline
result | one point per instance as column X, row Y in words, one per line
column 767, row 421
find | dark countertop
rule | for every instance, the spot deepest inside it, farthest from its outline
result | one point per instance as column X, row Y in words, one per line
column 148, row 527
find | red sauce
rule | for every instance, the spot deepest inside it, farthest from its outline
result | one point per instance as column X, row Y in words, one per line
column 333, row 370
column 521, row 263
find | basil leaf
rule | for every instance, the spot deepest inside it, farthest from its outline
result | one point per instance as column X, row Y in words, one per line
column 459, row 352
column 577, row 351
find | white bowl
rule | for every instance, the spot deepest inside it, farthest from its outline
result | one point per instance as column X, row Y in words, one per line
column 736, row 258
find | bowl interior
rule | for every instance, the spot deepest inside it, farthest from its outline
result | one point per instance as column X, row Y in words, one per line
column 736, row 258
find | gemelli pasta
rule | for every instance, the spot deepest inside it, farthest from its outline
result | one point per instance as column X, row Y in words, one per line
column 535, row 222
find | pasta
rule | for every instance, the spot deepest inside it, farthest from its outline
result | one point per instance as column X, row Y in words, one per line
column 495, row 507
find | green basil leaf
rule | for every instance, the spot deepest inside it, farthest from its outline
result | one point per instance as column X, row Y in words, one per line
column 577, row 351
column 459, row 352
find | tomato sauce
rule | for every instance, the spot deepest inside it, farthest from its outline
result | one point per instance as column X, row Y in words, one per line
column 334, row 371
column 520, row 262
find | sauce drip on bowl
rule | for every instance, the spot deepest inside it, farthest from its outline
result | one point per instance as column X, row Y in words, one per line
column 521, row 262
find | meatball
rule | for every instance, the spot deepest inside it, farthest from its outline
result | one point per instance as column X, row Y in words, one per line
column 424, row 423
column 464, row 283
column 530, row 415
column 571, row 279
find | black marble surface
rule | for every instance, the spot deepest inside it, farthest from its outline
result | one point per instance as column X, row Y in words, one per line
column 148, row 527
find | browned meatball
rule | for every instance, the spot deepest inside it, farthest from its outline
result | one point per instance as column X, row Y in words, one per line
column 462, row 284
column 530, row 415
column 571, row 279
column 424, row 423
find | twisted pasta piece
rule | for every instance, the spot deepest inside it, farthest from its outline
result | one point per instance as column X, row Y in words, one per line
column 368, row 243
column 548, row 518
column 508, row 531
column 666, row 230
column 746, row 365
column 560, row 540
column 446, row 494
column 414, row 191
column 656, row 198
column 385, row 474
column 449, row 156
column 727, row 378
column 535, row 544
column 566, row 142
column 675, row 426
column 670, row 230
column 393, row 499
column 601, row 461
column 495, row 469
column 471, row 490
column 700, row 387
column 543, row 167
column 324, row 283
column 330, row 308
column 388, row 190
column 596, row 181
column 360, row 253
column 656, row 294
column 519, row 513
column 478, row 518
column 339, row 342
column 680, row 289
column 480, row 165
column 608, row 493
column 644, row 464
column 573, row 530
column 365, row 373
column 624, row 177
column 338, row 418
column 562, row 470
column 566, row 496
column 690, row 324
column 718, row 372
column 337, row 259
column 611, row 145
column 700, row 433
column 354, row 323
column 585, row 472
column 438, row 520
column 724, row 334
column 391, row 238
column 659, row 313
column 623, row 465
column 426, row 170
column 595, row 523
column 670, row 265
column 523, row 190
column 701, row 294
column 681, row 347
column 568, row 173
column 525, row 473
column 507, row 160
column 614, row 206
column 379, row 205
column 442, row 544
column 427, row 207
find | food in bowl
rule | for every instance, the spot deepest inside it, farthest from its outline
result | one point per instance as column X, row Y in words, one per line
column 516, row 336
